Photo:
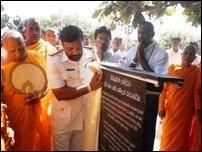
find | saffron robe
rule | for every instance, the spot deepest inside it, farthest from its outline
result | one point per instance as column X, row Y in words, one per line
column 30, row 122
column 180, row 103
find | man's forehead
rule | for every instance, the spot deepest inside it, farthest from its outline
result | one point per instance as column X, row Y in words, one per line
column 32, row 23
column 11, row 42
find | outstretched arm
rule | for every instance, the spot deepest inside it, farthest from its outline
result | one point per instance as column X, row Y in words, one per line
column 67, row 93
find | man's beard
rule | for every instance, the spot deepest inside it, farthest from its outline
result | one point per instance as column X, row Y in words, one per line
column 75, row 57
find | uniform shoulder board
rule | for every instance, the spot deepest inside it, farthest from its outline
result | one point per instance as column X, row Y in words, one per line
column 57, row 49
column 88, row 47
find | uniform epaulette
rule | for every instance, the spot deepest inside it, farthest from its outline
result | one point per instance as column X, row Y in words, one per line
column 88, row 47
column 57, row 49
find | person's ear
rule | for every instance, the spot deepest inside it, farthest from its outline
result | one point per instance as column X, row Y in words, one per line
column 152, row 33
column 24, row 30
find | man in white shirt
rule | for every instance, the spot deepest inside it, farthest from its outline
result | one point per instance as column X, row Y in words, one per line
column 102, row 37
column 116, row 47
column 148, row 55
column 68, row 80
column 174, row 53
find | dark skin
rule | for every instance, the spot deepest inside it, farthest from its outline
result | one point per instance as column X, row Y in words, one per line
column 144, row 39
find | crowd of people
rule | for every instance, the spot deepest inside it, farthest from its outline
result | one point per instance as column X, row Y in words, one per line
column 55, row 118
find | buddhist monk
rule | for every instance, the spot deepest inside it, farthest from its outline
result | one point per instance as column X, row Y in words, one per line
column 27, row 117
column 177, row 104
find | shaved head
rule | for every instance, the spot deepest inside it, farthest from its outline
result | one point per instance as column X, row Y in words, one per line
column 14, row 45
column 12, row 36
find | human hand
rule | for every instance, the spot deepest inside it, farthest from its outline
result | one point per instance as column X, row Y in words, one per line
column 9, row 138
column 162, row 113
column 140, row 50
column 97, row 80
column 32, row 98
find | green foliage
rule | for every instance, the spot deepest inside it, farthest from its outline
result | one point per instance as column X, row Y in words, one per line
column 124, row 11
column 15, row 23
column 192, row 15
column 55, row 21
column 138, row 17
column 4, row 20
column 169, row 11
column 96, row 13
column 58, row 22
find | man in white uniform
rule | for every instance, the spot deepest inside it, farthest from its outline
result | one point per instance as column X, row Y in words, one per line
column 67, row 77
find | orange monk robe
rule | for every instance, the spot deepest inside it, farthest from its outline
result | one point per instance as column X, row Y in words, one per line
column 43, row 49
column 195, row 133
column 29, row 121
column 179, row 103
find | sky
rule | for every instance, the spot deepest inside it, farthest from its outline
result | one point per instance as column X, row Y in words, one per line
column 45, row 9
column 85, row 9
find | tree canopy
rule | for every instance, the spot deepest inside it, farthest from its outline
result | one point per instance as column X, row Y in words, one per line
column 55, row 21
column 134, row 12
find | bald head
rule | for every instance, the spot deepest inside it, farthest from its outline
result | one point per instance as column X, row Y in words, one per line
column 32, row 31
column 11, row 36
column 14, row 45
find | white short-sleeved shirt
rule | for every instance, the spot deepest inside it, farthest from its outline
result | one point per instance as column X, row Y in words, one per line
column 174, row 57
column 61, row 71
column 158, row 58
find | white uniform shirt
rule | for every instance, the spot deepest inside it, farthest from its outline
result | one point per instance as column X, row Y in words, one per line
column 158, row 58
column 174, row 57
column 61, row 71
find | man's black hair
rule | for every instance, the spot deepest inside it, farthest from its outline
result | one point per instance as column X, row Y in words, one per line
column 102, row 29
column 176, row 39
column 71, row 33
column 149, row 26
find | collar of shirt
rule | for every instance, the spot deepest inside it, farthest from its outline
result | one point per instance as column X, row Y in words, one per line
column 64, row 57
